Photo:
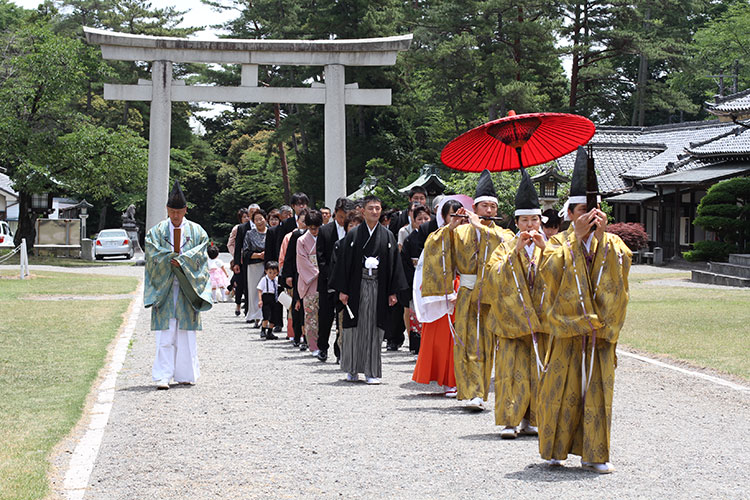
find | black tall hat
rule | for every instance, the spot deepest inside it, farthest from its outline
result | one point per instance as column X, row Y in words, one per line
column 527, row 201
column 485, row 188
column 176, row 197
column 582, row 181
column 578, row 179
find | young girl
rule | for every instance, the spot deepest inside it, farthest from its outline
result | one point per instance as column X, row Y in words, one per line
column 268, row 295
column 219, row 276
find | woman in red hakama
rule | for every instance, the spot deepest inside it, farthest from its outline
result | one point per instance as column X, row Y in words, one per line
column 435, row 360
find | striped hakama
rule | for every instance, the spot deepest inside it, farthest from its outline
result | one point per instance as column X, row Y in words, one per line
column 361, row 347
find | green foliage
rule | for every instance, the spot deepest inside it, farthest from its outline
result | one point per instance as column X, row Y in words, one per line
column 717, row 251
column 725, row 210
column 386, row 186
column 104, row 163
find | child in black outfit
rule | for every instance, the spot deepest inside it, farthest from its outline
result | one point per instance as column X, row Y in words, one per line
column 268, row 294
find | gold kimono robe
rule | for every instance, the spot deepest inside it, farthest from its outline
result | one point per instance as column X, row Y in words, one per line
column 514, row 292
column 584, row 312
column 465, row 251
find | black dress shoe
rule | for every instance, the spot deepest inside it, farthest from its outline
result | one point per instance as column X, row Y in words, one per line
column 276, row 329
column 391, row 347
column 270, row 335
column 295, row 343
column 322, row 356
column 237, row 312
column 303, row 347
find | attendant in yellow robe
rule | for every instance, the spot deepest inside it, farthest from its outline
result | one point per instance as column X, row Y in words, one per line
column 466, row 250
column 515, row 295
column 586, row 278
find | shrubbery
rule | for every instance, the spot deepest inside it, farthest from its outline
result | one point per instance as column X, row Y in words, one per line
column 716, row 251
column 725, row 211
column 632, row 233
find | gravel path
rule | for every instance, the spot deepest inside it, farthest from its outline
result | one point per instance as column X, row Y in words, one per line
column 266, row 421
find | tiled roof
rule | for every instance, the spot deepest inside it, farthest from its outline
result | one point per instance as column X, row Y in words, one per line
column 708, row 174
column 612, row 160
column 675, row 138
column 617, row 134
column 733, row 143
column 730, row 104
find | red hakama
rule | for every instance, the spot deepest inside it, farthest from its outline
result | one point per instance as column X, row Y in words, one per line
column 435, row 360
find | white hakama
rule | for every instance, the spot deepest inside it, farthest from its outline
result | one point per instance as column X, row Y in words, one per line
column 176, row 352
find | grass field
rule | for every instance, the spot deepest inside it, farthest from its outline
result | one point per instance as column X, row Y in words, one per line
column 50, row 354
column 706, row 327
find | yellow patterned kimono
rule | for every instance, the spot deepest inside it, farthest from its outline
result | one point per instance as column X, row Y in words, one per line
column 465, row 251
column 584, row 312
column 515, row 296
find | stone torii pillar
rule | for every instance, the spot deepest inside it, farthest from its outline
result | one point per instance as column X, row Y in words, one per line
column 335, row 94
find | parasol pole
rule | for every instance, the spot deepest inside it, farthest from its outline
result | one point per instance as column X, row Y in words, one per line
column 520, row 161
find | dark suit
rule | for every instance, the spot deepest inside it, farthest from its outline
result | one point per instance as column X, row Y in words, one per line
column 394, row 331
column 271, row 252
column 327, row 237
column 241, row 290
column 398, row 220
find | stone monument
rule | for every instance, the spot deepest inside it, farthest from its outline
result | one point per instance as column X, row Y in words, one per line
column 131, row 227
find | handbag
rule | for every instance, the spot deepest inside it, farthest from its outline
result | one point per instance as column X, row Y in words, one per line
column 285, row 300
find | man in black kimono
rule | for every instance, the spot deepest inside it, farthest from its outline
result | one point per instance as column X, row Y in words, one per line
column 328, row 235
column 368, row 277
column 289, row 277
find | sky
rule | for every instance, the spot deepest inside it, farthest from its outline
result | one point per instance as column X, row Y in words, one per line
column 198, row 14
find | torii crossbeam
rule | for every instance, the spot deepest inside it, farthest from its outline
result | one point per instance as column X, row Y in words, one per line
column 162, row 52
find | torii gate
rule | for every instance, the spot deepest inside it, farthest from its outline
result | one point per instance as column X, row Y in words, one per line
column 333, row 55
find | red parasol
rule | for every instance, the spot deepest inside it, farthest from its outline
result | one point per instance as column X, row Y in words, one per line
column 517, row 141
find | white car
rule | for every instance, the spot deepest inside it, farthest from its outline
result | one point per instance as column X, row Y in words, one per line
column 113, row 242
column 6, row 235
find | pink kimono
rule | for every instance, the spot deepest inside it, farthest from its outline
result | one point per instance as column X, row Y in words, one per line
column 307, row 286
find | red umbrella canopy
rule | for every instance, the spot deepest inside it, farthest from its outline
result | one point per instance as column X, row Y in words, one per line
column 535, row 138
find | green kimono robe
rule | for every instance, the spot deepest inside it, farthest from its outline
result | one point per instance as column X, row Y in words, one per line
column 192, row 275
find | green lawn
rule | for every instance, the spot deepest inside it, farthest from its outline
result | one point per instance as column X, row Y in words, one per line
column 707, row 327
column 50, row 354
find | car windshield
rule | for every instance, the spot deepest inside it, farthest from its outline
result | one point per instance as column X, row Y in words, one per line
column 113, row 233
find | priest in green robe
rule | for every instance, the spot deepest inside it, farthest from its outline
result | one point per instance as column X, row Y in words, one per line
column 177, row 289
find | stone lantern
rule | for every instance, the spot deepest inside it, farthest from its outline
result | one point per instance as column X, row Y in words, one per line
column 83, row 214
column 548, row 182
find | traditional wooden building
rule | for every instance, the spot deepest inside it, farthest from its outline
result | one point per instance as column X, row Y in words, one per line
column 657, row 175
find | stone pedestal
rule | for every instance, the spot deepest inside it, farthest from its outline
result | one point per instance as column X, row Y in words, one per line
column 87, row 249
column 133, row 235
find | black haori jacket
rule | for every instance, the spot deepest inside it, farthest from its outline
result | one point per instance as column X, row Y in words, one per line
column 347, row 273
